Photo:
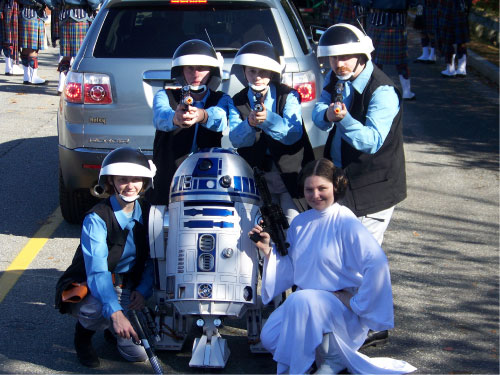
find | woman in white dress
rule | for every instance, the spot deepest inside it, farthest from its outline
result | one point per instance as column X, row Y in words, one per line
column 343, row 285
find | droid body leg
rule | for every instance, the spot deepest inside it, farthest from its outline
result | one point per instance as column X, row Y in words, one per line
column 210, row 350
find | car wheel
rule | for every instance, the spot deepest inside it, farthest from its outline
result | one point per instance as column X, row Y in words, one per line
column 74, row 204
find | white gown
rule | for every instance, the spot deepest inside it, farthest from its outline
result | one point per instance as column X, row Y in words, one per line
column 329, row 250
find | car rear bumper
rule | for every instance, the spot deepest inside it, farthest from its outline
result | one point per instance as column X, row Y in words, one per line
column 76, row 169
column 79, row 166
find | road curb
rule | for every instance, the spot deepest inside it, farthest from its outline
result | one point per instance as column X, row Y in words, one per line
column 483, row 66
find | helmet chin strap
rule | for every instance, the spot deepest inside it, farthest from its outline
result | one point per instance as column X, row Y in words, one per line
column 349, row 76
column 345, row 77
column 198, row 89
column 124, row 198
column 256, row 88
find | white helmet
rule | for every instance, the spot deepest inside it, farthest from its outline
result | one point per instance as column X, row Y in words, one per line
column 197, row 52
column 258, row 54
column 126, row 161
column 344, row 39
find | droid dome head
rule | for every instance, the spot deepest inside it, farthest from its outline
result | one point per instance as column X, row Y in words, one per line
column 214, row 174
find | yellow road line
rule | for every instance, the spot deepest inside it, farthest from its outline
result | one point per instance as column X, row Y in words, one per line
column 28, row 253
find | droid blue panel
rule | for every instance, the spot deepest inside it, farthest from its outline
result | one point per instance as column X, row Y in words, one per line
column 206, row 167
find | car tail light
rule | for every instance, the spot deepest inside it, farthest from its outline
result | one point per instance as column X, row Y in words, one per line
column 88, row 88
column 303, row 82
column 73, row 88
column 97, row 89
column 91, row 166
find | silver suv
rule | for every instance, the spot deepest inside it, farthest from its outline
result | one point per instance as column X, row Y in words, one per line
column 126, row 58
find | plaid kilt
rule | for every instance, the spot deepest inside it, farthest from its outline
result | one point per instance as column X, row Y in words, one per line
column 73, row 26
column 389, row 39
column 429, row 18
column 72, row 34
column 452, row 26
column 10, row 26
column 341, row 11
column 31, row 30
column 54, row 25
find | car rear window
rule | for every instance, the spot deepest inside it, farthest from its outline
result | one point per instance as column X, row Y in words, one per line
column 155, row 32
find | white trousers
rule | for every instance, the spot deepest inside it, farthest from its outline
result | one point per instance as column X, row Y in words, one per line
column 280, row 194
column 377, row 223
column 295, row 329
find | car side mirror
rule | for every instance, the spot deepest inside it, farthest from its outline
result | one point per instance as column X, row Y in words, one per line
column 316, row 32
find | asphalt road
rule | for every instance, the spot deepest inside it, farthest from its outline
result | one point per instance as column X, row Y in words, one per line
column 442, row 244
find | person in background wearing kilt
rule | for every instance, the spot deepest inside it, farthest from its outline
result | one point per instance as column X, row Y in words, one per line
column 347, row 11
column 1, row 31
column 386, row 25
column 9, row 14
column 54, row 25
column 453, row 34
column 32, row 37
column 75, row 17
column 425, row 21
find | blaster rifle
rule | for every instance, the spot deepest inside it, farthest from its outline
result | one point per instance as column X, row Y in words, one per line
column 144, row 341
column 151, row 324
column 274, row 220
column 338, row 99
column 187, row 99
column 258, row 103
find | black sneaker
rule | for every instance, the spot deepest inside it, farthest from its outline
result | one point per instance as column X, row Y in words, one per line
column 110, row 337
column 83, row 345
column 375, row 337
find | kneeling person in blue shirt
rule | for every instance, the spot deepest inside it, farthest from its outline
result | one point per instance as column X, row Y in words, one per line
column 113, row 259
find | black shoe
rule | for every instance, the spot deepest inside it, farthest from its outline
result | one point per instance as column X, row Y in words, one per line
column 110, row 337
column 83, row 345
column 375, row 337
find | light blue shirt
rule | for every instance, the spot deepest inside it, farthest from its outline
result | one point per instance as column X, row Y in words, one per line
column 368, row 138
column 163, row 114
column 286, row 129
column 95, row 254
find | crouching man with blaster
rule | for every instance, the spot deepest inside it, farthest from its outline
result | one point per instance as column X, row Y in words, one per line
column 111, row 272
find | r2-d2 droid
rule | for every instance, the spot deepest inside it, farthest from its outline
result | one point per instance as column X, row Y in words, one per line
column 206, row 265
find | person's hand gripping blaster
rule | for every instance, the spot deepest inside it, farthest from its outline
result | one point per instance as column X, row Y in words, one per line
column 186, row 114
column 337, row 109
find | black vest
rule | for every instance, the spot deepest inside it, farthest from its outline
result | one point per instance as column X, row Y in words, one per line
column 171, row 148
column 376, row 181
column 289, row 158
column 115, row 239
